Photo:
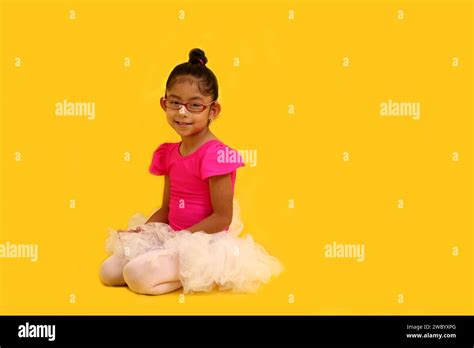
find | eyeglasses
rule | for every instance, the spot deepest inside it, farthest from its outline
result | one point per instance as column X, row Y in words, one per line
column 191, row 106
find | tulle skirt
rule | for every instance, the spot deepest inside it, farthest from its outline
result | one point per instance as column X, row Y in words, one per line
column 222, row 260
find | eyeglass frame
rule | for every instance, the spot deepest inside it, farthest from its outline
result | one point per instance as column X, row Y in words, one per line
column 186, row 105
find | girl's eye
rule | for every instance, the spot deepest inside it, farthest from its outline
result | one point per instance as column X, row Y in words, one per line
column 196, row 106
column 174, row 103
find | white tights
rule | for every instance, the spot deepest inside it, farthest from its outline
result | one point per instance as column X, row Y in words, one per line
column 153, row 273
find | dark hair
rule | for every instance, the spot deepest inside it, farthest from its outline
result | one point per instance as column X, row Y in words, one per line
column 196, row 67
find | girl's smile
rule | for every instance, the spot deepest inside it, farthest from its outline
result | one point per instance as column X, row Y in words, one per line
column 183, row 124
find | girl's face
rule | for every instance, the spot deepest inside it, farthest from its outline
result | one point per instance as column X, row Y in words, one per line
column 184, row 122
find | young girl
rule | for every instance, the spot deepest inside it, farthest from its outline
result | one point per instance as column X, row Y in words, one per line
column 192, row 240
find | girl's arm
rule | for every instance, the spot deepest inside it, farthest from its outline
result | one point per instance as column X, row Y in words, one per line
column 161, row 215
column 221, row 198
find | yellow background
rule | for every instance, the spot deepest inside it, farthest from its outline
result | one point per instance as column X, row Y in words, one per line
column 283, row 62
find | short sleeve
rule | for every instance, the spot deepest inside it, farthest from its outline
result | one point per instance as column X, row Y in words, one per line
column 159, row 162
column 219, row 159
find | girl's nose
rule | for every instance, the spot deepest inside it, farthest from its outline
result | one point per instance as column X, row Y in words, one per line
column 182, row 110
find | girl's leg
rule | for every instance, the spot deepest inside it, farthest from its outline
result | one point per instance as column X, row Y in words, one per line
column 153, row 273
column 111, row 271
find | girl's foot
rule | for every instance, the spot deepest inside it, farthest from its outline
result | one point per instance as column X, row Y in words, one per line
column 133, row 230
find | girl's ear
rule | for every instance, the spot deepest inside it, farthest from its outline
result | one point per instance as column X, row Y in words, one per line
column 215, row 110
column 162, row 103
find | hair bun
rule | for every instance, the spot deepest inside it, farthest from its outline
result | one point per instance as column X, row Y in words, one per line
column 197, row 56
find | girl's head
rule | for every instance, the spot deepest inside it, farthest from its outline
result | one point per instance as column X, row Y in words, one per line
column 190, row 100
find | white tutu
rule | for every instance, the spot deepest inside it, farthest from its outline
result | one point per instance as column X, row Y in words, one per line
column 206, row 260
